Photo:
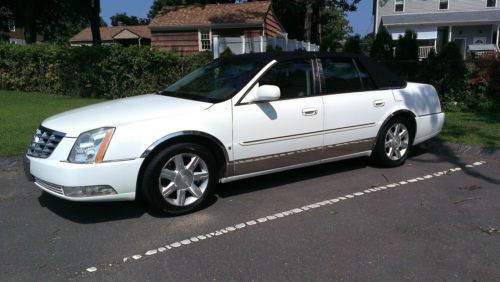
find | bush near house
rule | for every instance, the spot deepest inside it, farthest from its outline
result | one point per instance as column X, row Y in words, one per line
column 472, row 85
column 101, row 72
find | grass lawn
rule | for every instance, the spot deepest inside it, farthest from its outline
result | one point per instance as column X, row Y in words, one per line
column 21, row 113
column 476, row 129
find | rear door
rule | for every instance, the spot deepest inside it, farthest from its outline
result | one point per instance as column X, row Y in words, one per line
column 354, row 108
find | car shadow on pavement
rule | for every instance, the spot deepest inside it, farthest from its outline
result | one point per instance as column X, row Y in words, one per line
column 287, row 177
column 445, row 152
column 95, row 212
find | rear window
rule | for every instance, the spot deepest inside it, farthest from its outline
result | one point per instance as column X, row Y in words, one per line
column 344, row 76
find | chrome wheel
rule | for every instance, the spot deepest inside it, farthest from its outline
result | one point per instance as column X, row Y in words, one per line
column 397, row 140
column 183, row 179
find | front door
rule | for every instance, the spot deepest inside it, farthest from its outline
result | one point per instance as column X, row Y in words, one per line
column 286, row 132
column 461, row 42
column 354, row 109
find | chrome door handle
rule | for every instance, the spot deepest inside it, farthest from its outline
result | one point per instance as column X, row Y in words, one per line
column 309, row 112
column 378, row 103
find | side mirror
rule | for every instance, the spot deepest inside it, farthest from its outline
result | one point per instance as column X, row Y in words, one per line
column 263, row 93
column 268, row 93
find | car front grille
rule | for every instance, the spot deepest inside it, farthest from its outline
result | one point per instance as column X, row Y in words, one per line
column 44, row 143
column 49, row 186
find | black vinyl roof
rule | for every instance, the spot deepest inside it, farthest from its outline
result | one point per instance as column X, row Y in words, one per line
column 381, row 75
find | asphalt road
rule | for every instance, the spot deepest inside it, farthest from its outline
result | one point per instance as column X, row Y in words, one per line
column 436, row 224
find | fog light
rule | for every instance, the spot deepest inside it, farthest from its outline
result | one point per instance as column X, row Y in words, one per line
column 88, row 191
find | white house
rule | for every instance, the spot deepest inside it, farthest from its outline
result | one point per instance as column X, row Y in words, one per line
column 473, row 24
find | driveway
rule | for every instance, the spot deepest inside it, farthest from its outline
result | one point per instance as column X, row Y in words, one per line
column 435, row 218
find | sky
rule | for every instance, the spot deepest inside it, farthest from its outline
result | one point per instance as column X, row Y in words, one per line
column 361, row 20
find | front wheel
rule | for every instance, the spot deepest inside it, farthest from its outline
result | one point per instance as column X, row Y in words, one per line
column 180, row 179
column 394, row 143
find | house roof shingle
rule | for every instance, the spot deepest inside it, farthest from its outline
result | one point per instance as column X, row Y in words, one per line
column 108, row 33
column 210, row 14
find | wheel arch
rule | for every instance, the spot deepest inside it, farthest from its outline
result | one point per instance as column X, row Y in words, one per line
column 198, row 137
column 400, row 113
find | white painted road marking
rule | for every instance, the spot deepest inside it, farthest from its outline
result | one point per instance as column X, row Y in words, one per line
column 283, row 214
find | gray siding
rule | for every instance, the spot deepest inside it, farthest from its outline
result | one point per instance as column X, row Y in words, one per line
column 386, row 7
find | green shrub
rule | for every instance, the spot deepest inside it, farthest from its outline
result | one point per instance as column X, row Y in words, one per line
column 269, row 48
column 382, row 46
column 227, row 53
column 108, row 71
column 353, row 44
column 407, row 46
column 462, row 85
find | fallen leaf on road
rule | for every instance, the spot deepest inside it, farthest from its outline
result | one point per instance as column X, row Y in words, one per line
column 490, row 230
column 467, row 199
column 470, row 188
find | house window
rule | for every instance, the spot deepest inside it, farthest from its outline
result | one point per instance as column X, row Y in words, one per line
column 399, row 6
column 205, row 40
column 11, row 25
column 443, row 4
column 491, row 3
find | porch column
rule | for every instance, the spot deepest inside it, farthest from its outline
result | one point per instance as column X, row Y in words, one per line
column 450, row 28
column 498, row 33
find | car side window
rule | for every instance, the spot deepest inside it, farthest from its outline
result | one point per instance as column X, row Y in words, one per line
column 294, row 78
column 365, row 78
column 343, row 76
column 340, row 76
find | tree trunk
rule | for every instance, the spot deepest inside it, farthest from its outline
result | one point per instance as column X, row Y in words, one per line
column 308, row 20
column 29, row 22
column 94, row 10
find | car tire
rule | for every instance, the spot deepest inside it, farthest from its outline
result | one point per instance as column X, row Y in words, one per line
column 174, row 183
column 392, row 150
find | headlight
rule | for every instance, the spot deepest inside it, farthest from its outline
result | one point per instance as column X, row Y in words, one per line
column 91, row 146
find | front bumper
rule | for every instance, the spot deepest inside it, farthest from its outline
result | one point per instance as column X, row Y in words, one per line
column 51, row 175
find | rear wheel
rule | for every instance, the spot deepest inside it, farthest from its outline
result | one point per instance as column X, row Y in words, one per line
column 180, row 179
column 394, row 142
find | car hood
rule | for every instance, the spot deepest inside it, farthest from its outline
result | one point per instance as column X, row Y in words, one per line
column 122, row 111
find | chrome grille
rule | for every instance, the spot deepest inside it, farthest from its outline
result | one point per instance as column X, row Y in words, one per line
column 44, row 143
column 49, row 186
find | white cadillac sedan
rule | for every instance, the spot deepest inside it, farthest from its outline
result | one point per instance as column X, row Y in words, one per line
column 234, row 118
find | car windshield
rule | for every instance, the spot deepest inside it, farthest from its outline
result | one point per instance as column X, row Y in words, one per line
column 217, row 81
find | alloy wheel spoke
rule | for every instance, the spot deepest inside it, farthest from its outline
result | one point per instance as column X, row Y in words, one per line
column 391, row 134
column 403, row 134
column 195, row 190
column 396, row 130
column 391, row 150
column 404, row 145
column 168, row 174
column 181, row 197
column 398, row 153
column 167, row 191
column 193, row 163
column 388, row 144
column 202, row 175
column 179, row 163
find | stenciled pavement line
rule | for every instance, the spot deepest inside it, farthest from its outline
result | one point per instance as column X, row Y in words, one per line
column 223, row 231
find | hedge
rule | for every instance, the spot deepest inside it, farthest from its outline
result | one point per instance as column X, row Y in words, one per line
column 472, row 85
column 105, row 72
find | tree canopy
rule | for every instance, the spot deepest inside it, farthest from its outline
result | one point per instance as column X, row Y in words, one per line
column 124, row 19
